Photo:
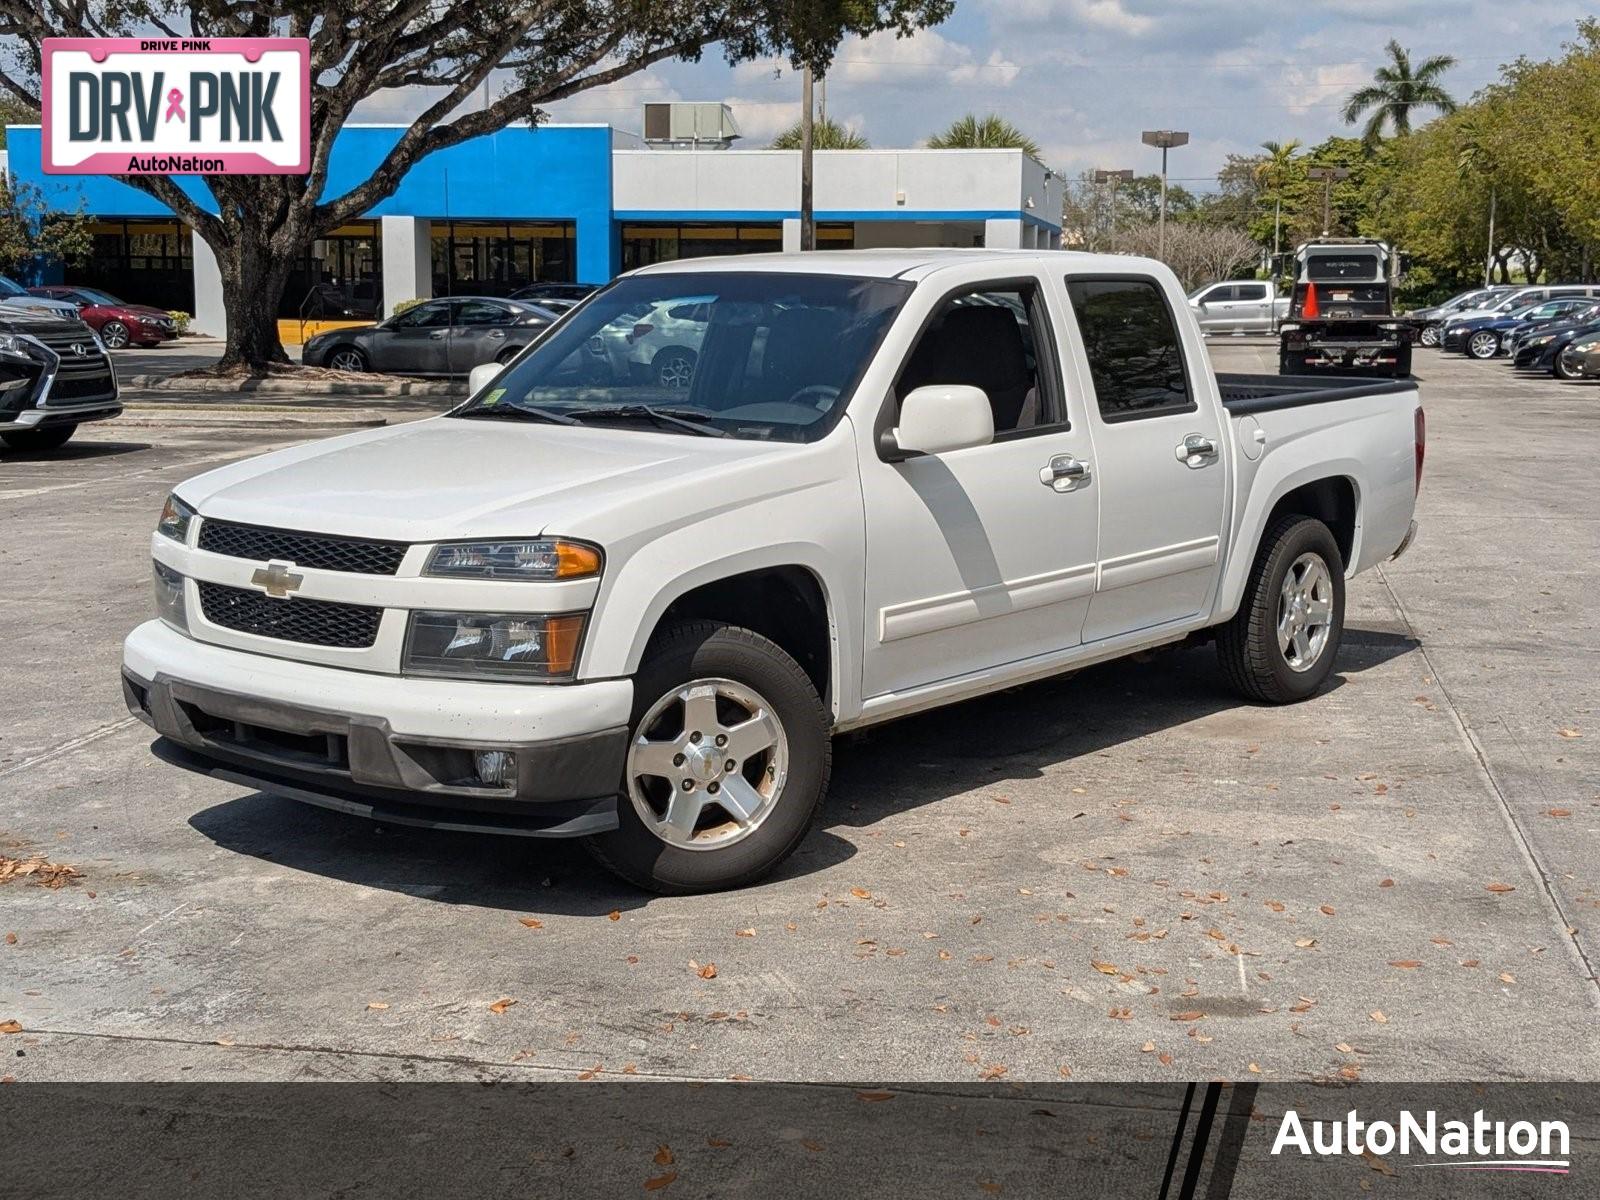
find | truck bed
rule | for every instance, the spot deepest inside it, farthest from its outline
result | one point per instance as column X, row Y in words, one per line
column 1244, row 394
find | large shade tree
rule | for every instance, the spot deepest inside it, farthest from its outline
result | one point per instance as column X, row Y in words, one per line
column 1397, row 89
column 528, row 53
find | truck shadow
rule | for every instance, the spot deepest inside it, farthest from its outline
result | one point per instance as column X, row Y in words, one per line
column 1012, row 735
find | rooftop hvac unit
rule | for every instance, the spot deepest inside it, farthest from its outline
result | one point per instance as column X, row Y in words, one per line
column 707, row 124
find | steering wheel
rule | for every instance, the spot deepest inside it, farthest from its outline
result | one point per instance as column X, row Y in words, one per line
column 818, row 395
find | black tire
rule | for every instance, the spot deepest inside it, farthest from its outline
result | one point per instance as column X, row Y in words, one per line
column 673, row 367
column 1561, row 372
column 507, row 354
column 691, row 650
column 356, row 359
column 115, row 335
column 39, row 439
column 1247, row 646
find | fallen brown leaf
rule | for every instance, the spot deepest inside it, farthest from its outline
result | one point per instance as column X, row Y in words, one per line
column 1344, row 1048
column 1105, row 968
column 1189, row 1015
column 861, row 893
column 874, row 1097
column 616, row 915
column 656, row 1182
column 532, row 922
column 744, row 933
column 11, row 1026
column 993, row 1071
column 500, row 1006
column 1568, row 733
column 709, row 971
column 1326, row 910
column 1499, row 888
column 1507, row 977
column 1405, row 964
column 663, row 1157
column 1377, row 1015
column 378, row 1005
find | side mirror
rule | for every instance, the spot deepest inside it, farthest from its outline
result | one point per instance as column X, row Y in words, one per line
column 481, row 376
column 943, row 417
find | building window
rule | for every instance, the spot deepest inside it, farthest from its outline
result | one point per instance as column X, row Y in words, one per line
column 142, row 262
column 495, row 258
column 339, row 277
column 656, row 241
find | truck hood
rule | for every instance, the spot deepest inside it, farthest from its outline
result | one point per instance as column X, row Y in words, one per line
column 449, row 478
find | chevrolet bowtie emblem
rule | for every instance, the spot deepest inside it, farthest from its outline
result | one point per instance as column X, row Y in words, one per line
column 277, row 579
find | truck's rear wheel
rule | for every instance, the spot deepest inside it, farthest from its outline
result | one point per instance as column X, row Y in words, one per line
column 52, row 438
column 728, row 760
column 1281, row 644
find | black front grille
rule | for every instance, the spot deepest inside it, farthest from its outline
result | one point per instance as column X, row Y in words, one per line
column 318, row 550
column 312, row 622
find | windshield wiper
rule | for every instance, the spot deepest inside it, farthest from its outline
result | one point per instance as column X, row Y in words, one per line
column 679, row 419
column 520, row 412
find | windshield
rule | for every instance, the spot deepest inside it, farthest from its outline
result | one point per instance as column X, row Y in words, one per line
column 9, row 288
column 95, row 296
column 741, row 354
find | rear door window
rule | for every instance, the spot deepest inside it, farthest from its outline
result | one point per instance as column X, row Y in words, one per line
column 1133, row 349
column 1252, row 291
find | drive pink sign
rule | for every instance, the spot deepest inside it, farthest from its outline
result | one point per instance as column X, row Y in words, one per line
column 177, row 106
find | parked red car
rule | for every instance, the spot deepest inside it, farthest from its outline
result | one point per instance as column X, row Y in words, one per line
column 118, row 324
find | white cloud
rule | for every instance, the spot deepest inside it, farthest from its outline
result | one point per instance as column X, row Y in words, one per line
column 927, row 59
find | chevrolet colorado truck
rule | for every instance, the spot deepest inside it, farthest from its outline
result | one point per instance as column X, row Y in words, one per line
column 55, row 375
column 595, row 602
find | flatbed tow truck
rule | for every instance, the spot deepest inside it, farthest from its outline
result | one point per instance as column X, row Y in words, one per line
column 1341, row 316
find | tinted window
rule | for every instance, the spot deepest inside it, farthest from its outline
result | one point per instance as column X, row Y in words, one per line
column 1342, row 266
column 424, row 316
column 1217, row 295
column 1252, row 291
column 482, row 312
column 988, row 340
column 1132, row 346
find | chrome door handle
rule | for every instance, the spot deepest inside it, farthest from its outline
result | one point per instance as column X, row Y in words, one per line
column 438, row 333
column 1196, row 450
column 1063, row 473
column 497, row 333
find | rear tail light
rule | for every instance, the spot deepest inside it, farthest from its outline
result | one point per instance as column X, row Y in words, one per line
column 640, row 330
column 1422, row 443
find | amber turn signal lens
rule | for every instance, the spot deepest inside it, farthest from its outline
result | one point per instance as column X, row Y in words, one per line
column 574, row 559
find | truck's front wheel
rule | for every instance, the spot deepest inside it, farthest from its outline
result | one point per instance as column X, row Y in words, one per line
column 1281, row 644
column 727, row 764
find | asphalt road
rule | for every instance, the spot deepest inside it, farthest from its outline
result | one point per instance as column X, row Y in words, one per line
column 1127, row 874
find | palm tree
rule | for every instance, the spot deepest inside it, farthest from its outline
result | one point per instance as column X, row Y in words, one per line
column 992, row 132
column 1272, row 172
column 1396, row 89
column 826, row 134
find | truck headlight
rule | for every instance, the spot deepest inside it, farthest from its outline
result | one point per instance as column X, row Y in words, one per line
column 169, row 597
column 536, row 558
column 14, row 345
column 175, row 518
column 493, row 645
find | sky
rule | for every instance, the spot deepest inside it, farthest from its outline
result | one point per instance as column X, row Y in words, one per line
column 1083, row 78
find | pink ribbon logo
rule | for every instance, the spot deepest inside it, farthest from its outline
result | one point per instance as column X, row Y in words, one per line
column 175, row 105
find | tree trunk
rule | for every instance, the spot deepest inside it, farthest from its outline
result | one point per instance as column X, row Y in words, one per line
column 255, row 268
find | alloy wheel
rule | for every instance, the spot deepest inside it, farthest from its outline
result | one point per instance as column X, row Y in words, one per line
column 347, row 360
column 1430, row 336
column 1484, row 345
column 114, row 334
column 1305, row 612
column 707, row 764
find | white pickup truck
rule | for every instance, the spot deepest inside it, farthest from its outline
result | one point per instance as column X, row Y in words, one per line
column 1239, row 306
column 590, row 602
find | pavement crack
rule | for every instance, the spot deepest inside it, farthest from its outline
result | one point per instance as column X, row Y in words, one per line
column 67, row 747
column 1568, row 925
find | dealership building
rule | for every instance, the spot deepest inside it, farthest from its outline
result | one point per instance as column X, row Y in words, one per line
column 558, row 203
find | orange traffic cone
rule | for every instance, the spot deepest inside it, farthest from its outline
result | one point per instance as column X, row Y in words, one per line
column 1309, row 310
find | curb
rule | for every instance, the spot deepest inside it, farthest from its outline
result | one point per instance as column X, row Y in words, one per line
column 257, row 416
column 287, row 387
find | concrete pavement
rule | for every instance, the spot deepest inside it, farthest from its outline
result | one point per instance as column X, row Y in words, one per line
column 1127, row 874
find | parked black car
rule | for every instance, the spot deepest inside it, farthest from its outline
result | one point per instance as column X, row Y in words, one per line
column 1540, row 349
column 1484, row 337
column 54, row 375
column 448, row 336
column 558, row 297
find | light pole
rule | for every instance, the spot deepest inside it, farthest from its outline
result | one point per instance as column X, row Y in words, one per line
column 1113, row 178
column 1329, row 176
column 808, row 220
column 1166, row 139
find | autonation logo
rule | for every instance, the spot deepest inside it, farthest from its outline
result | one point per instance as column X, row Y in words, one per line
column 1478, row 1145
